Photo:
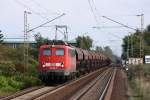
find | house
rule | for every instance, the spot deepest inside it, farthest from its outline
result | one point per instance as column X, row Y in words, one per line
column 32, row 44
column 16, row 44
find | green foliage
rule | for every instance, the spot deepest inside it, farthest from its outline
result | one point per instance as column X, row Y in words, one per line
column 8, row 84
column 34, row 53
column 7, row 68
column 32, row 67
column 139, row 71
column 17, row 82
column 84, row 42
column 1, row 38
column 132, row 42
column 139, row 79
column 40, row 40
column 147, row 38
column 99, row 49
column 108, row 52
column 13, row 75
column 148, row 28
column 29, row 81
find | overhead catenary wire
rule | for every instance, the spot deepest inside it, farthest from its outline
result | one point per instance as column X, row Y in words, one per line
column 93, row 13
column 42, row 7
column 97, row 27
column 97, row 12
column 93, row 4
column 29, row 8
column 116, row 36
column 46, row 23
column 95, row 8
column 120, row 23
column 39, row 5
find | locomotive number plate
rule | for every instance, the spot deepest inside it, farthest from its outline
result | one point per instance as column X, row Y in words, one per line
column 47, row 64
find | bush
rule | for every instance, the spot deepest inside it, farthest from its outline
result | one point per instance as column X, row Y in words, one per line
column 29, row 81
column 3, row 81
column 19, row 66
column 15, row 84
column 7, row 68
column 26, row 80
column 18, row 82
column 13, row 74
column 7, row 85
column 32, row 67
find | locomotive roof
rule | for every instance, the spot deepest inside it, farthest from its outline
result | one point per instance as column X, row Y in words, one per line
column 56, row 42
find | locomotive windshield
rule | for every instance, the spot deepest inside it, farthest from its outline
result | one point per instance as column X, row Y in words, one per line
column 59, row 52
column 47, row 52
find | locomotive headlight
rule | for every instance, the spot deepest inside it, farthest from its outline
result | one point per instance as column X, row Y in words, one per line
column 43, row 66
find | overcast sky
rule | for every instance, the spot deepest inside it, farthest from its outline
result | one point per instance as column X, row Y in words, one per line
column 79, row 17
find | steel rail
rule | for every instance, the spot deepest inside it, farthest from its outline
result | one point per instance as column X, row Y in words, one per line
column 50, row 90
column 27, row 91
column 100, row 77
column 66, row 91
column 21, row 93
column 106, row 88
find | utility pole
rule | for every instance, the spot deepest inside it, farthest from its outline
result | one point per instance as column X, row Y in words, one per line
column 26, row 41
column 26, row 32
column 132, row 45
column 131, row 41
column 128, row 49
column 56, row 33
column 141, row 35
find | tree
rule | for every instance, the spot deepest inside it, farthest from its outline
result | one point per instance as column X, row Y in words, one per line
column 131, row 42
column 1, row 38
column 135, row 44
column 40, row 40
column 148, row 28
column 108, row 52
column 99, row 49
column 84, row 42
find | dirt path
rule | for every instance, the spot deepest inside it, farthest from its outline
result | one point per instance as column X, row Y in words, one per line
column 120, row 86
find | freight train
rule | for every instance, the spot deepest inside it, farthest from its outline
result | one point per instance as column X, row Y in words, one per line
column 59, row 59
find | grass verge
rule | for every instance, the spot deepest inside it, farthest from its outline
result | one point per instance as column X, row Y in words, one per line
column 139, row 81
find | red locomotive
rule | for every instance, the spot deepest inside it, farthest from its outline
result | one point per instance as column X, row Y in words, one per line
column 59, row 59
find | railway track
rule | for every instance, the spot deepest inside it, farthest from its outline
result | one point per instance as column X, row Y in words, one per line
column 21, row 93
column 95, row 90
column 33, row 93
column 78, row 89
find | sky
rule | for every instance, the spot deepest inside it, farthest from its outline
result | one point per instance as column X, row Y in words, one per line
column 81, row 16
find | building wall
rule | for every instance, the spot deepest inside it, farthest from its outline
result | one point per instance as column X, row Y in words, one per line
column 17, row 44
column 135, row 61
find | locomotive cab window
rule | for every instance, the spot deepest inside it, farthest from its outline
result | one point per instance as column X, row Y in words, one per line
column 46, row 52
column 60, row 52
